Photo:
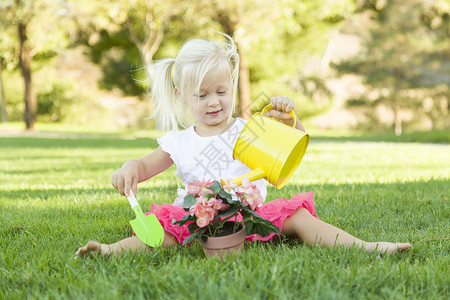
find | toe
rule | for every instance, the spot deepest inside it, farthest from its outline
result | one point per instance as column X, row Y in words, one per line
column 91, row 248
column 79, row 253
column 83, row 251
column 403, row 246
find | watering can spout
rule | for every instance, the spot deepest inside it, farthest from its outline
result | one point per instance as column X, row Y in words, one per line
column 271, row 149
column 252, row 176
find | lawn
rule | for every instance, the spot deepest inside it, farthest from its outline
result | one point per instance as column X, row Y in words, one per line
column 55, row 196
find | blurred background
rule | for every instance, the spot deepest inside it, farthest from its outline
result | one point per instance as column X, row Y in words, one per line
column 374, row 65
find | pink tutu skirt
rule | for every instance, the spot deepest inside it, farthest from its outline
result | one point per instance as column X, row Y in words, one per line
column 275, row 211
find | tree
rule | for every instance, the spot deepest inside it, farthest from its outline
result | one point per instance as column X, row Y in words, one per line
column 403, row 63
column 147, row 36
column 274, row 39
column 124, row 27
column 37, row 36
column 144, row 21
column 8, row 55
column 2, row 95
column 263, row 30
column 229, row 15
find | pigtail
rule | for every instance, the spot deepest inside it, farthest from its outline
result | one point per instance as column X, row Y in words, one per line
column 234, row 60
column 167, row 107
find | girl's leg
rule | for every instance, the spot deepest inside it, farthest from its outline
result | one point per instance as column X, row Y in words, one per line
column 313, row 231
column 131, row 244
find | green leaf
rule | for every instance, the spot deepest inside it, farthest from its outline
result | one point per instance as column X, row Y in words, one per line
column 255, row 224
column 194, row 235
column 247, row 212
column 225, row 196
column 260, row 227
column 193, row 227
column 189, row 239
column 189, row 200
column 215, row 187
column 229, row 211
column 184, row 220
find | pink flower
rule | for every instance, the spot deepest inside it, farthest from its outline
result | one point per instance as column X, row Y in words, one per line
column 199, row 187
column 213, row 203
column 210, row 203
column 216, row 204
column 205, row 210
column 228, row 185
column 254, row 202
column 249, row 194
column 220, row 205
column 204, row 215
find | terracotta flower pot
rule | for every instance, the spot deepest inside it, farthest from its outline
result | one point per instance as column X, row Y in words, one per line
column 224, row 245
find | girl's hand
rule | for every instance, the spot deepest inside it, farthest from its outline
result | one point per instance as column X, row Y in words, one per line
column 126, row 178
column 281, row 108
column 138, row 170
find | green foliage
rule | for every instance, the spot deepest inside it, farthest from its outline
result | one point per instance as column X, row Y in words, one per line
column 405, row 65
column 277, row 62
column 405, row 60
column 40, row 18
column 310, row 94
column 291, row 32
column 54, row 104
column 13, row 85
column 123, row 37
column 55, row 196
column 255, row 224
column 119, row 62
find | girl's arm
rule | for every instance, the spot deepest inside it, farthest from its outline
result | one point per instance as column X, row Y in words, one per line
column 138, row 170
column 281, row 108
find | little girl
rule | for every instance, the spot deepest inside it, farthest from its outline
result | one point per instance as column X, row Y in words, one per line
column 202, row 83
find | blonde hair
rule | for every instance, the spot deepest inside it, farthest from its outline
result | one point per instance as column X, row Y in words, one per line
column 186, row 72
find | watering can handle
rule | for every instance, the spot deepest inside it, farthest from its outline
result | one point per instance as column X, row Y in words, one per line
column 269, row 107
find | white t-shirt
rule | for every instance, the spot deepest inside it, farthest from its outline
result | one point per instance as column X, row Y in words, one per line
column 209, row 158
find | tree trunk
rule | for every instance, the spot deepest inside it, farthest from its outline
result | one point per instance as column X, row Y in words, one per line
column 397, row 122
column 25, row 66
column 149, row 46
column 2, row 95
column 244, row 103
column 244, row 89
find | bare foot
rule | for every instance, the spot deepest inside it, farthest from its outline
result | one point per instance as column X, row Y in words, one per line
column 385, row 247
column 92, row 248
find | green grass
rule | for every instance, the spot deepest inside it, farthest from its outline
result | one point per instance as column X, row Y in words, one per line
column 55, row 196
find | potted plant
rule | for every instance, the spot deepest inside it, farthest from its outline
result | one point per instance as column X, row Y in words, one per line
column 222, row 216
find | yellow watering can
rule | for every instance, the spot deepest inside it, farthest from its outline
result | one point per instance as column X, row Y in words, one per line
column 271, row 149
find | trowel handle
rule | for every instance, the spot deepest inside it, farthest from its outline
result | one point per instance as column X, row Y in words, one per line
column 269, row 107
column 135, row 205
column 132, row 200
column 252, row 176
